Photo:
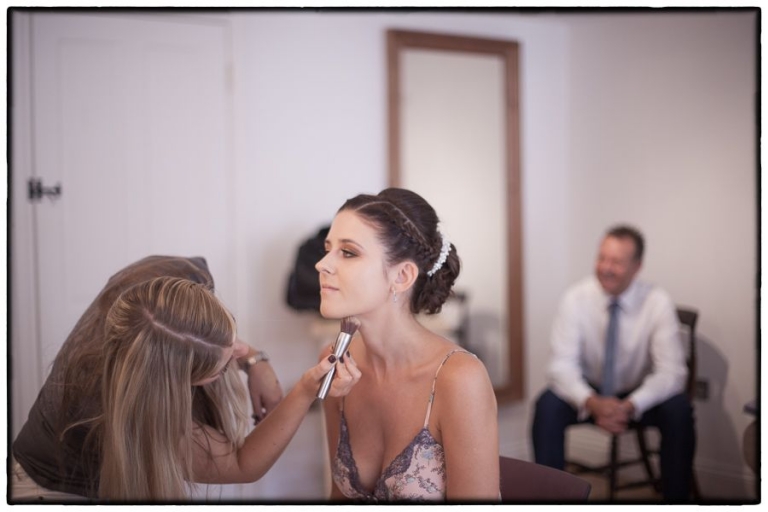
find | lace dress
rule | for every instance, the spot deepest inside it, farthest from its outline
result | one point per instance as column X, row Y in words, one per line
column 416, row 474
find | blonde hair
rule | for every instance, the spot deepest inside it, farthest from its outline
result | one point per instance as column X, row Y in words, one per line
column 161, row 337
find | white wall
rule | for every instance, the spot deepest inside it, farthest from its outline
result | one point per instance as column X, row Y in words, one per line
column 645, row 119
column 663, row 136
column 311, row 132
column 312, row 115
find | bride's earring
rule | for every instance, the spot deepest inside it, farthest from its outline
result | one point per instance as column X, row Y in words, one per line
column 394, row 295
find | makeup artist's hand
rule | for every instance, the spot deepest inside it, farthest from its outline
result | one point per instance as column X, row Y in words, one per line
column 264, row 388
column 346, row 376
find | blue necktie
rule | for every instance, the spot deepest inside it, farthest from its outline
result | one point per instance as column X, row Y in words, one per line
column 611, row 338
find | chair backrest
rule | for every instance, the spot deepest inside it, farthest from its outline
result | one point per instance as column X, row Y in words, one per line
column 528, row 482
column 688, row 318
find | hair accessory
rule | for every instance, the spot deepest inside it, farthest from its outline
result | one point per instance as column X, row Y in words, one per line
column 444, row 250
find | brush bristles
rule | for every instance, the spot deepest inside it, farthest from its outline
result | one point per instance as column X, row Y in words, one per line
column 349, row 325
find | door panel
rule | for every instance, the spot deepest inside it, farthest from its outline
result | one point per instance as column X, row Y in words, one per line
column 131, row 115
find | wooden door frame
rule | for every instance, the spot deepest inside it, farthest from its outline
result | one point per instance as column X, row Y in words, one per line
column 508, row 51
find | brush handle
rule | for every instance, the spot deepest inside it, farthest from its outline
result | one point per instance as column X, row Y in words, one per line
column 342, row 342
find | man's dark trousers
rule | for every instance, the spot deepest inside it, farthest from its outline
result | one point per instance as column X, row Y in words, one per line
column 673, row 418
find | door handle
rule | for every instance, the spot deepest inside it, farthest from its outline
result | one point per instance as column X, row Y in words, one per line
column 37, row 191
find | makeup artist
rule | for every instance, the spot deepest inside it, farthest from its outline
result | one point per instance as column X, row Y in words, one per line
column 58, row 453
column 421, row 425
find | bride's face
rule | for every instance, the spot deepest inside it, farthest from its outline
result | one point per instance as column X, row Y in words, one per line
column 354, row 276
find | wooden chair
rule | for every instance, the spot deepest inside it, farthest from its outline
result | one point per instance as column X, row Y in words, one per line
column 687, row 318
column 528, row 482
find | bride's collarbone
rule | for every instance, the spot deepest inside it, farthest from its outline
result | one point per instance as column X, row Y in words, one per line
column 400, row 395
column 388, row 418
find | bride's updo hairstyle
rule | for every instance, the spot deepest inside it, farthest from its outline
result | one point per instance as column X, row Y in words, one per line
column 407, row 227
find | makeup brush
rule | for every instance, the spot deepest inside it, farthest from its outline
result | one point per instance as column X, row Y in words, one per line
column 349, row 327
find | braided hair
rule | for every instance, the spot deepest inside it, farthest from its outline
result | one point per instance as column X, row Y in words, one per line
column 407, row 226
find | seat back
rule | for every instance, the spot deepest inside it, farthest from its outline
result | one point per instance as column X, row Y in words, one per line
column 688, row 318
column 528, row 482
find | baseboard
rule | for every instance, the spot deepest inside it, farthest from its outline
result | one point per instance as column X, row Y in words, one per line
column 726, row 481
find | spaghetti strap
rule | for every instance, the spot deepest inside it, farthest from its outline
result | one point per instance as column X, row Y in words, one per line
column 434, row 382
column 417, row 473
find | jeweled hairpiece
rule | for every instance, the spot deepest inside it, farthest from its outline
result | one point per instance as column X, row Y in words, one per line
column 444, row 250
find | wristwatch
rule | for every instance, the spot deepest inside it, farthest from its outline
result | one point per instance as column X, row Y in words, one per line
column 258, row 357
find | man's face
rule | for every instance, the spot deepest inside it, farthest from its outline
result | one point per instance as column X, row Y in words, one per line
column 616, row 265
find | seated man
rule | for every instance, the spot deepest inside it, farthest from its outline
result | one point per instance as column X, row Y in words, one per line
column 617, row 358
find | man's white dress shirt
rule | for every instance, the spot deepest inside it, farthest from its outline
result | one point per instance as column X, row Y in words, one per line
column 650, row 359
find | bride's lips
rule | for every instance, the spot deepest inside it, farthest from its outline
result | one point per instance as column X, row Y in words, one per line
column 326, row 288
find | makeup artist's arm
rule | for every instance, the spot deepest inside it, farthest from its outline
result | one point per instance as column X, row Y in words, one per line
column 263, row 385
column 467, row 420
column 214, row 460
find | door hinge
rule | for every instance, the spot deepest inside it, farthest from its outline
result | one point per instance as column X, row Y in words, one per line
column 37, row 191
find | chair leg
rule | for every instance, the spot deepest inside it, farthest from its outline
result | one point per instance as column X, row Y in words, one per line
column 646, row 456
column 613, row 467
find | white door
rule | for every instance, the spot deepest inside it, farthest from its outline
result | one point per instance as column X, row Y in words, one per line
column 131, row 115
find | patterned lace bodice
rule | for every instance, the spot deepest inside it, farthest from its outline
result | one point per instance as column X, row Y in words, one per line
column 416, row 474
